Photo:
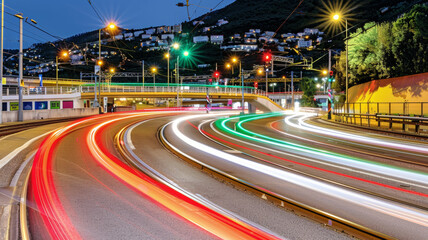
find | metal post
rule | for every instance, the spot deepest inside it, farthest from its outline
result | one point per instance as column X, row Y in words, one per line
column 21, row 67
column 267, row 89
column 292, row 90
column 154, row 81
column 285, row 91
column 56, row 71
column 142, row 66
column 1, row 62
column 242, row 81
column 168, row 67
column 347, row 100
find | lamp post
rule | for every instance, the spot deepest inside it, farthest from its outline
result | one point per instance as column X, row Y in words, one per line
column 111, row 27
column 154, row 70
column 235, row 60
column 21, row 63
column 63, row 54
column 336, row 17
column 273, row 85
column 167, row 57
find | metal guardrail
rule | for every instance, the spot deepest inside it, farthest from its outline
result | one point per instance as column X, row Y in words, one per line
column 379, row 118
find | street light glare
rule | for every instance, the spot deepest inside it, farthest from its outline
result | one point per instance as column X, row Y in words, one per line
column 186, row 53
column 228, row 65
column 176, row 46
column 234, row 59
column 154, row 69
column 166, row 55
column 324, row 72
column 64, row 53
column 100, row 63
column 336, row 17
column 112, row 70
column 112, row 26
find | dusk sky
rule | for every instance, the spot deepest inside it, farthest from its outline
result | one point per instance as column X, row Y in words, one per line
column 66, row 18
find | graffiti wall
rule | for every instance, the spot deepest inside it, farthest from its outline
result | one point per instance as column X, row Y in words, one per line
column 413, row 88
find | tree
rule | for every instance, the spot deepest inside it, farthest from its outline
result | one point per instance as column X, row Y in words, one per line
column 386, row 50
column 309, row 89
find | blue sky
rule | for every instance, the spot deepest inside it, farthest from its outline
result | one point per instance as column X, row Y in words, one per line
column 65, row 18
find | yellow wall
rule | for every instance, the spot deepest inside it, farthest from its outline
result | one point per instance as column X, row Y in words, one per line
column 413, row 88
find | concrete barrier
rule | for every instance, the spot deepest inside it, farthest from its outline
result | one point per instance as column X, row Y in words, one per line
column 12, row 116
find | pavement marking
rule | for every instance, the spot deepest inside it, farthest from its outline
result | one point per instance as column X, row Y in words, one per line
column 21, row 168
column 231, row 151
column 15, row 152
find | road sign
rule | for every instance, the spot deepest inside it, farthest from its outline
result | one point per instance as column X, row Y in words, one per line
column 97, row 69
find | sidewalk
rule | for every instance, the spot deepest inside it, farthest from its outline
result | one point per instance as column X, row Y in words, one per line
column 16, row 153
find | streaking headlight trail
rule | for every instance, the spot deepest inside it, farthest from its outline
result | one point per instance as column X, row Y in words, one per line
column 365, row 202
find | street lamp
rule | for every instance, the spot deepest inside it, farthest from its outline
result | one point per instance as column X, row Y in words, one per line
column 273, row 85
column 167, row 55
column 336, row 17
column 64, row 54
column 235, row 60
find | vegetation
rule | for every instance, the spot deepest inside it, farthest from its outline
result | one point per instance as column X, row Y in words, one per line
column 309, row 89
column 385, row 50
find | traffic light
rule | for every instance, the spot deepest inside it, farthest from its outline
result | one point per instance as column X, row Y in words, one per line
column 216, row 74
column 330, row 79
column 267, row 57
column 256, row 84
column 331, row 73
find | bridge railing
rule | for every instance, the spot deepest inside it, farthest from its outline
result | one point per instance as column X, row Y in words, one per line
column 173, row 89
column 129, row 89
column 40, row 91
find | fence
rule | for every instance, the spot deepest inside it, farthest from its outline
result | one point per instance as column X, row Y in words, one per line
column 395, row 116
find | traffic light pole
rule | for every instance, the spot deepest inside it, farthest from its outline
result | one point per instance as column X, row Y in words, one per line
column 330, row 100
column 242, row 81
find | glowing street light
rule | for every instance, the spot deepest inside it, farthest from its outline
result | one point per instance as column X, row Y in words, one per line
column 112, row 70
column 64, row 54
column 111, row 26
column 176, row 46
column 336, row 18
column 186, row 53
column 324, row 72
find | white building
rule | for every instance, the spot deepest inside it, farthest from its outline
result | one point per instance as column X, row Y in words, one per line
column 241, row 47
column 146, row 36
column 311, row 31
column 221, row 22
column 304, row 43
column 177, row 28
column 150, row 31
column 200, row 39
column 166, row 36
column 217, row 39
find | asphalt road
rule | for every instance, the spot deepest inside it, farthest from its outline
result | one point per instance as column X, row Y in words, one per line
column 391, row 211
column 100, row 206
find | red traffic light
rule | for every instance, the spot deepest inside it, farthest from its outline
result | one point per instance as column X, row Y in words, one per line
column 216, row 74
column 331, row 73
column 256, row 84
column 267, row 57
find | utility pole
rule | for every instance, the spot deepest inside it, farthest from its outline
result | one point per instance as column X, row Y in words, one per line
column 267, row 89
column 142, row 66
column 21, row 67
column 242, row 81
column 330, row 100
column 1, row 62
column 292, row 90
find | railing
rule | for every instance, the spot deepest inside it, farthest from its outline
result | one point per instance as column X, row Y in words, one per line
column 174, row 89
column 40, row 91
column 404, row 117
column 130, row 89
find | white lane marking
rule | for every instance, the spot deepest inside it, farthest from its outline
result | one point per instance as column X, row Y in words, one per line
column 15, row 152
column 21, row 168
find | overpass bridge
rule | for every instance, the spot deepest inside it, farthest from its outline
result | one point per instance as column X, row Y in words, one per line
column 187, row 94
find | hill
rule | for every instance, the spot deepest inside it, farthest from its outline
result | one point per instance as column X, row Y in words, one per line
column 268, row 15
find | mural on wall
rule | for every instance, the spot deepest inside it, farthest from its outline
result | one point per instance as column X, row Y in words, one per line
column 413, row 88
